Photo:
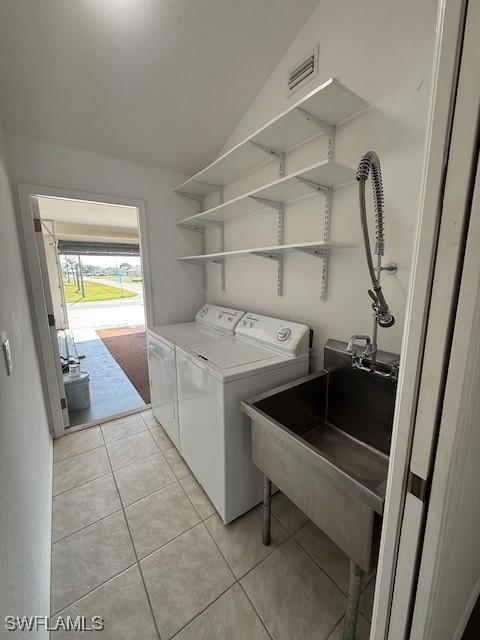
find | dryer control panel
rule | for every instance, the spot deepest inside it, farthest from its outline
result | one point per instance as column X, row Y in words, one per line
column 290, row 338
column 219, row 317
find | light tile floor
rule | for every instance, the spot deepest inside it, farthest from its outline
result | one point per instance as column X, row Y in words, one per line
column 137, row 541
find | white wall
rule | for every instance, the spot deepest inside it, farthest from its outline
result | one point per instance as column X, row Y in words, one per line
column 177, row 288
column 25, row 441
column 381, row 49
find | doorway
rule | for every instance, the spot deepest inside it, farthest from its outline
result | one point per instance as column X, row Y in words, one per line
column 96, row 283
column 90, row 284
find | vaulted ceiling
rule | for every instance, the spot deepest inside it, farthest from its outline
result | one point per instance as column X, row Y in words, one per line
column 162, row 82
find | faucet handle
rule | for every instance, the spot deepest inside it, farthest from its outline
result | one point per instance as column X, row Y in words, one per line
column 353, row 339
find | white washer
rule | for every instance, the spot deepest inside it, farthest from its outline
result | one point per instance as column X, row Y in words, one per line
column 211, row 323
column 213, row 378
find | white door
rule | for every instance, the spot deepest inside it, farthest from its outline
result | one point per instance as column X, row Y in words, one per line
column 52, row 374
column 430, row 569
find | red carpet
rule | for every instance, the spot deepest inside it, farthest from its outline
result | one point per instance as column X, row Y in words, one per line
column 128, row 345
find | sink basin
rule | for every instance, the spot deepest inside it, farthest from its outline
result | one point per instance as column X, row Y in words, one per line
column 324, row 441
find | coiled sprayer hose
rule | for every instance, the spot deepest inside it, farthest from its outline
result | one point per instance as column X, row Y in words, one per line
column 370, row 163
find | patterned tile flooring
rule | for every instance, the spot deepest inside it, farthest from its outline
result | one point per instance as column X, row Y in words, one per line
column 137, row 541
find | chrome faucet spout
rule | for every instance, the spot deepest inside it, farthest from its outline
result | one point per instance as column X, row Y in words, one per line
column 354, row 339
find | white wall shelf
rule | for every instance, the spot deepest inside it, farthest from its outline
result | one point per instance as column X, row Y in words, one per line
column 319, row 112
column 318, row 248
column 315, row 178
column 325, row 107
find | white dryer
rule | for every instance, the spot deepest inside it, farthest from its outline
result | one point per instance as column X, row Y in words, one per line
column 213, row 378
column 211, row 323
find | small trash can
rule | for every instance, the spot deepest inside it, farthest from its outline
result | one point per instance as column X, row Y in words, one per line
column 77, row 388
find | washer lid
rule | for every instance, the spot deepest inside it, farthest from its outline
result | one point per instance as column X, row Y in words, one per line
column 233, row 352
column 186, row 333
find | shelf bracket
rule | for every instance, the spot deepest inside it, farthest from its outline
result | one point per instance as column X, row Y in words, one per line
column 314, row 185
column 193, row 196
column 273, row 204
column 328, row 129
column 271, row 255
column 323, row 126
column 213, row 187
column 279, row 155
column 191, row 227
column 278, row 258
column 319, row 253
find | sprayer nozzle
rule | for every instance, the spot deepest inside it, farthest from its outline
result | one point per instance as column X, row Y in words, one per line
column 386, row 321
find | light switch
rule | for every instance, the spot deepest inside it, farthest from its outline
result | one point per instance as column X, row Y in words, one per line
column 7, row 354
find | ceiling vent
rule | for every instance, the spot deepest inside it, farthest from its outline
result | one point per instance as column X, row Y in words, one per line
column 303, row 71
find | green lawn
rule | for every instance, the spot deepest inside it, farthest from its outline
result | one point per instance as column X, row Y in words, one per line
column 94, row 292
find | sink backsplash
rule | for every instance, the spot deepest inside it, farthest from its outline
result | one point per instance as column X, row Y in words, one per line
column 360, row 403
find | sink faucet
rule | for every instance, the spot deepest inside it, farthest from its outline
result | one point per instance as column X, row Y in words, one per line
column 369, row 351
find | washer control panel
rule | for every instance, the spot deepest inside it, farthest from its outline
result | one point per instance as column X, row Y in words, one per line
column 219, row 317
column 290, row 338
column 284, row 334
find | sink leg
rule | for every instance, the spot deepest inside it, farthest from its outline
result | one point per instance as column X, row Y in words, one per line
column 353, row 600
column 267, row 511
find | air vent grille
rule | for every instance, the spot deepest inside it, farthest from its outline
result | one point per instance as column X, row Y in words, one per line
column 303, row 71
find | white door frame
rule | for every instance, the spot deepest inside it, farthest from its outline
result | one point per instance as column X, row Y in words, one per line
column 32, row 261
column 414, row 367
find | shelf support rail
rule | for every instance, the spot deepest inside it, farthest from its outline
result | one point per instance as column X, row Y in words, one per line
column 279, row 155
column 328, row 193
column 328, row 129
column 221, row 228
column 278, row 257
column 201, row 200
column 326, row 237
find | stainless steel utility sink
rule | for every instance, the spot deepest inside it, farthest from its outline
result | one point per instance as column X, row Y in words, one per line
column 324, row 441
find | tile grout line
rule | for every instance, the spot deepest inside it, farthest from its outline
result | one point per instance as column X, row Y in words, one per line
column 201, row 521
column 130, row 504
column 136, row 563
column 122, row 508
column 104, row 444
column 335, row 628
column 203, row 610
column 77, row 454
column 90, row 591
column 134, row 549
column 82, row 484
column 235, row 579
column 149, row 555
column 270, row 635
column 238, row 580
column 365, row 585
column 320, row 566
column 72, row 533
column 112, row 472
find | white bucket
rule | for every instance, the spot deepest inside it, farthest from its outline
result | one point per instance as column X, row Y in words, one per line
column 77, row 389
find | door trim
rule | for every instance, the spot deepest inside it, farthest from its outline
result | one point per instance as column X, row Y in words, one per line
column 445, row 73
column 26, row 194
